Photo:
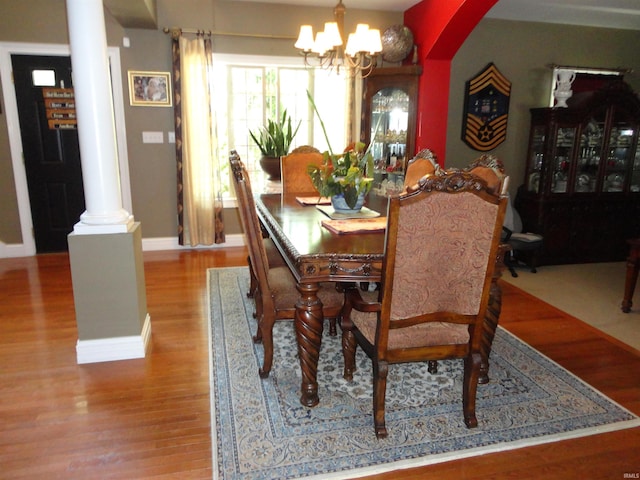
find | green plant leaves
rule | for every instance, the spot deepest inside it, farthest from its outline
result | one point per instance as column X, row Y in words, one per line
column 275, row 138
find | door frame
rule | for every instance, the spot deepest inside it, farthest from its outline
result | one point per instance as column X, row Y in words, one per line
column 28, row 246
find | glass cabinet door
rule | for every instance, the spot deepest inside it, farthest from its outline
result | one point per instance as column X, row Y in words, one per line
column 635, row 172
column 619, row 154
column 534, row 173
column 561, row 166
column 589, row 155
column 389, row 125
column 388, row 119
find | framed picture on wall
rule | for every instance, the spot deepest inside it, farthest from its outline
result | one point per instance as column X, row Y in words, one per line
column 486, row 109
column 150, row 89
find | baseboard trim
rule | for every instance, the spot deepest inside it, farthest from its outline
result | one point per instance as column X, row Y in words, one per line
column 171, row 243
column 13, row 250
column 113, row 349
column 148, row 245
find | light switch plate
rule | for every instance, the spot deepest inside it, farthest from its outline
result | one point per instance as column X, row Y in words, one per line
column 152, row 137
column 171, row 137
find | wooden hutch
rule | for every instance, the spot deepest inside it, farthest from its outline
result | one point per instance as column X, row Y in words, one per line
column 389, row 107
column 582, row 181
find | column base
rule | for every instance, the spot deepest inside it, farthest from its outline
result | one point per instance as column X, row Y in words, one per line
column 107, row 272
column 113, row 349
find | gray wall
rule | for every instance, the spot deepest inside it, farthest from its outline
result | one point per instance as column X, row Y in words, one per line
column 522, row 51
column 519, row 50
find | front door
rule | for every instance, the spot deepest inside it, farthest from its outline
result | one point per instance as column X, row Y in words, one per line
column 51, row 154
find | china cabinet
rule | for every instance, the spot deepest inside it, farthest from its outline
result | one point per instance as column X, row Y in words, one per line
column 581, row 188
column 389, row 115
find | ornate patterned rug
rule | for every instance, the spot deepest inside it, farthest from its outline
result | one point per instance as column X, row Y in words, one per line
column 261, row 431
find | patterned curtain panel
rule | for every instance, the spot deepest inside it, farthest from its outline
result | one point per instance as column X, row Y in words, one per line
column 200, row 213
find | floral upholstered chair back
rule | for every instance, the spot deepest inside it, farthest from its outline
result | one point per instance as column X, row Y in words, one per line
column 444, row 241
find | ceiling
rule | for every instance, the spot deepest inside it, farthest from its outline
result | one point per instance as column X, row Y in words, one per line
column 623, row 14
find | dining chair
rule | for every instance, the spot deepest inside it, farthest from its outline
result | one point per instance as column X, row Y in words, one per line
column 523, row 244
column 276, row 290
column 440, row 249
column 491, row 169
column 274, row 258
column 293, row 167
column 424, row 163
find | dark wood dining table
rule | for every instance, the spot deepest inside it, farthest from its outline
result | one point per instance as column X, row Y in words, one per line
column 314, row 254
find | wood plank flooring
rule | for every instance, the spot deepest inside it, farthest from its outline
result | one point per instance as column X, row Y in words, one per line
column 149, row 418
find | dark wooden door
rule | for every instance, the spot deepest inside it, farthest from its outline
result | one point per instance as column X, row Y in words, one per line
column 51, row 155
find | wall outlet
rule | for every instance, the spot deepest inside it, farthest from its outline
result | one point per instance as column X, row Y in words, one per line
column 152, row 137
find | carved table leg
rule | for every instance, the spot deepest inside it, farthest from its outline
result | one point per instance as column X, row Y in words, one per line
column 492, row 314
column 633, row 266
column 308, row 325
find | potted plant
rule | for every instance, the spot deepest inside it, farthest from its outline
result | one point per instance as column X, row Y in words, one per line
column 343, row 177
column 274, row 141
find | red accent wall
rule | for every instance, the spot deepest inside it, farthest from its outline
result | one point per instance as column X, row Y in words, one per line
column 439, row 28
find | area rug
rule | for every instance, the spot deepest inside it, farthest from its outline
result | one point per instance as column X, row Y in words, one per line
column 261, row 431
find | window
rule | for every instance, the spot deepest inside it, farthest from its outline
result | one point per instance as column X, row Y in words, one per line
column 43, row 78
column 248, row 91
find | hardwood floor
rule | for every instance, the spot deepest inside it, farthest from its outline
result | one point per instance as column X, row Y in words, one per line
column 150, row 418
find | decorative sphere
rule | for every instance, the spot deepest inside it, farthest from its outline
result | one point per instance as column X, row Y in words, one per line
column 397, row 42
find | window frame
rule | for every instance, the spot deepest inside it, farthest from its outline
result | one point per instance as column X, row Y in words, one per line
column 314, row 130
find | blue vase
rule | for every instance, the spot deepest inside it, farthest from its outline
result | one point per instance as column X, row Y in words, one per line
column 340, row 204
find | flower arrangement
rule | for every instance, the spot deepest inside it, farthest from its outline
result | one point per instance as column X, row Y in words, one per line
column 343, row 174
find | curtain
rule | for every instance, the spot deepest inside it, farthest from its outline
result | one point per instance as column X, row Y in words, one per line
column 200, row 215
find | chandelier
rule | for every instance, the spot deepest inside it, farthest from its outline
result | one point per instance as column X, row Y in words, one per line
column 327, row 49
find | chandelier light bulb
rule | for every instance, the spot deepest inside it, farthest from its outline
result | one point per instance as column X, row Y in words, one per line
column 375, row 41
column 320, row 46
column 351, row 49
column 332, row 34
column 305, row 39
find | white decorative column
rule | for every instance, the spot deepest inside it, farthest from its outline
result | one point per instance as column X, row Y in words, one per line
column 96, row 126
column 105, row 247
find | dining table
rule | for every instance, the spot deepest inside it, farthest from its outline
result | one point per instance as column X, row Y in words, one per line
column 315, row 254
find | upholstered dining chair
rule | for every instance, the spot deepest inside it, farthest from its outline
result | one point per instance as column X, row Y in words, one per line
column 491, row 169
column 276, row 292
column 440, row 249
column 424, row 163
column 293, row 167
column 274, row 258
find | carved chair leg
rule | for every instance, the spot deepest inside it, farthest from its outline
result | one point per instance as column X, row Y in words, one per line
column 253, row 282
column 348, row 353
column 432, row 366
column 470, row 387
column 266, row 328
column 333, row 330
column 380, row 370
column 348, row 339
column 257, row 338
